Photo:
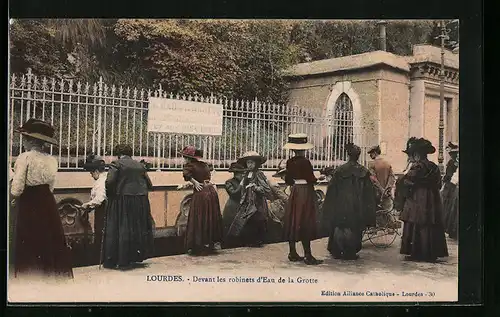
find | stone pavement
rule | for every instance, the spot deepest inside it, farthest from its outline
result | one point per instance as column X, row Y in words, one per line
column 379, row 275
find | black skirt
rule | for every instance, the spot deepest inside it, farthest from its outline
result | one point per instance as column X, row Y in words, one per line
column 128, row 234
column 40, row 244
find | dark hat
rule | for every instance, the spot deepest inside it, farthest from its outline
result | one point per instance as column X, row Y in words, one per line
column 236, row 168
column 93, row 163
column 410, row 145
column 251, row 155
column 375, row 149
column 298, row 142
column 451, row 147
column 352, row 149
column 421, row 145
column 38, row 129
column 424, row 146
column 192, row 152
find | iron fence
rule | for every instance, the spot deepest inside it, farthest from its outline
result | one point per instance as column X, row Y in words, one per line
column 94, row 118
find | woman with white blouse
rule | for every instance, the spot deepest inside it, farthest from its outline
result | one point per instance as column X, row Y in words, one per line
column 40, row 246
column 97, row 168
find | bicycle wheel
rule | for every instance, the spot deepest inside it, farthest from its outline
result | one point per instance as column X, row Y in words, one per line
column 386, row 231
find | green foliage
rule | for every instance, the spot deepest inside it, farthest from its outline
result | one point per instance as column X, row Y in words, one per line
column 242, row 59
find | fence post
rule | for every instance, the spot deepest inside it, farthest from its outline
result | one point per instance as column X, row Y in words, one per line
column 28, row 104
column 99, row 118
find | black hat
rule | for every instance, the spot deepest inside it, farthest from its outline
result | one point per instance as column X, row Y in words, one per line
column 236, row 168
column 93, row 163
column 38, row 129
column 421, row 145
column 410, row 145
column 375, row 149
column 451, row 147
column 352, row 149
column 424, row 146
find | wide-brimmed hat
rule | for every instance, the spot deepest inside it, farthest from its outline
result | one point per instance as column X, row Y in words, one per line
column 38, row 129
column 375, row 149
column 421, row 145
column 298, row 142
column 93, row 163
column 192, row 152
column 251, row 155
column 236, row 168
column 451, row 147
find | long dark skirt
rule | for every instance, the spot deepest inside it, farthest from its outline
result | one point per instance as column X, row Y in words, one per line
column 345, row 242
column 40, row 245
column 300, row 215
column 423, row 242
column 128, row 235
column 449, row 195
column 204, row 225
column 230, row 211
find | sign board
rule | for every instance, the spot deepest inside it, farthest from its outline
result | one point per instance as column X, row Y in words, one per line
column 184, row 117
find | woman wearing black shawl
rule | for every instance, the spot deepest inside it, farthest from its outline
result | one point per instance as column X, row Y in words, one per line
column 350, row 206
column 419, row 200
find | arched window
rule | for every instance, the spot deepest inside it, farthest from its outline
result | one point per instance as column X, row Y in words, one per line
column 341, row 130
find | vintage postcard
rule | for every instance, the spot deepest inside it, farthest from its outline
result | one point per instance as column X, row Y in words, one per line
column 206, row 160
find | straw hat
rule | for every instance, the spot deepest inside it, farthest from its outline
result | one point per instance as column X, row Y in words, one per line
column 38, row 129
column 251, row 155
column 298, row 142
column 191, row 152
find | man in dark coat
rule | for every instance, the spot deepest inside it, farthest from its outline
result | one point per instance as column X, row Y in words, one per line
column 350, row 206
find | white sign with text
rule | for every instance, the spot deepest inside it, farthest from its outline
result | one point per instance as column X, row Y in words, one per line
column 184, row 117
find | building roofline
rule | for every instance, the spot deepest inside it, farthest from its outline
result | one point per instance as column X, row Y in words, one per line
column 347, row 63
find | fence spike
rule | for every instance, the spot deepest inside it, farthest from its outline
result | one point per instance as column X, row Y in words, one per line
column 101, row 82
column 13, row 80
column 79, row 87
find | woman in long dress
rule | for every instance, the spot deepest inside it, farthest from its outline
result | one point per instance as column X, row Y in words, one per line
column 40, row 245
column 233, row 189
column 250, row 223
column 419, row 200
column 350, row 206
column 449, row 192
column 204, row 224
column 128, row 234
column 301, row 210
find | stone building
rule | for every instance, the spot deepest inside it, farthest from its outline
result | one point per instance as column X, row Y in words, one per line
column 391, row 97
